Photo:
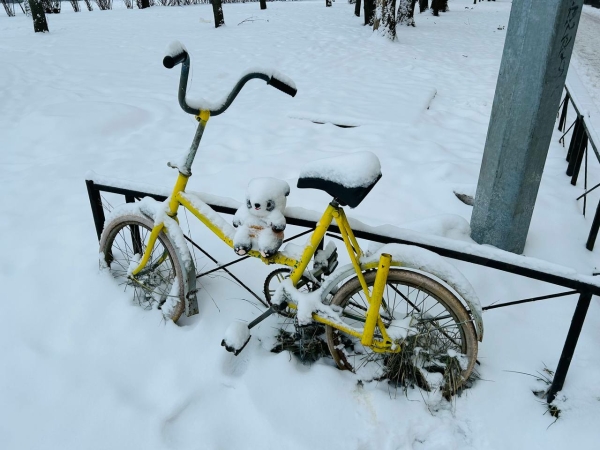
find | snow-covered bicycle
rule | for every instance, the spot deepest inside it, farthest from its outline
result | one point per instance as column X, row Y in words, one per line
column 399, row 305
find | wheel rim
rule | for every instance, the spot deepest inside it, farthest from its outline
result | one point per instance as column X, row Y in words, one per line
column 155, row 283
column 430, row 328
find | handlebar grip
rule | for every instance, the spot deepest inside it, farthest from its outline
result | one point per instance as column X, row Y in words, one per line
column 283, row 86
column 171, row 61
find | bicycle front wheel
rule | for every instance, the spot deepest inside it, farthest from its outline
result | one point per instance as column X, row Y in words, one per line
column 424, row 318
column 160, row 283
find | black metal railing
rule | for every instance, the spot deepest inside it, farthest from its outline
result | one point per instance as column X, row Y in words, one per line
column 577, row 154
column 579, row 287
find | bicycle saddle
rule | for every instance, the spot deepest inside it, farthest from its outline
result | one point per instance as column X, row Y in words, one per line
column 348, row 178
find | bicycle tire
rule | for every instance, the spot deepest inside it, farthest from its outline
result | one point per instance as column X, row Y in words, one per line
column 119, row 244
column 431, row 330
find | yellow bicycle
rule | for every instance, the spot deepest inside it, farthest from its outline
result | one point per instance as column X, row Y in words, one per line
column 401, row 305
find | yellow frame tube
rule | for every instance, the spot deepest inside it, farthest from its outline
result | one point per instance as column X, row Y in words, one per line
column 336, row 325
column 151, row 241
column 375, row 301
column 350, row 233
column 343, row 225
column 315, row 239
column 378, row 345
column 202, row 218
column 175, row 199
column 278, row 258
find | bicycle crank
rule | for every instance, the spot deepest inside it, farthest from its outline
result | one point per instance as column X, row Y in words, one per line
column 238, row 335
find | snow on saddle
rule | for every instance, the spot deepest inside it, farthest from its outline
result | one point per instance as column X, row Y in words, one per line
column 348, row 178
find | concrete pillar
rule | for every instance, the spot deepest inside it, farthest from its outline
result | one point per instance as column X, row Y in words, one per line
column 539, row 42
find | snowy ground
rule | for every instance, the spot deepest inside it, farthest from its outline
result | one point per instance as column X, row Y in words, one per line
column 84, row 368
column 587, row 51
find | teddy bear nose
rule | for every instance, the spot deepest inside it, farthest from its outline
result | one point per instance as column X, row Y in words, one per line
column 257, row 205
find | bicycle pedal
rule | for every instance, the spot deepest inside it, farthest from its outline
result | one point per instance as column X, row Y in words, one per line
column 278, row 307
column 234, row 350
column 236, row 338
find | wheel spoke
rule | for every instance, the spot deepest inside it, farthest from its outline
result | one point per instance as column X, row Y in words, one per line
column 153, row 284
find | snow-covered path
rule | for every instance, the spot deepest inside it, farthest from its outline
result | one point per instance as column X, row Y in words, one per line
column 587, row 51
column 81, row 367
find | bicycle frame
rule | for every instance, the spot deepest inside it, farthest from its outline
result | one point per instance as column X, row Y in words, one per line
column 333, row 211
column 369, row 317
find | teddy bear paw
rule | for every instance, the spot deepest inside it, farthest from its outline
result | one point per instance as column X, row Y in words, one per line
column 267, row 253
column 241, row 249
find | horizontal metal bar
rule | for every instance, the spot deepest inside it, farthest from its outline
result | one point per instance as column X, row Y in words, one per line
column 486, row 262
column 587, row 192
column 528, row 300
column 230, row 274
column 448, row 253
column 122, row 191
column 562, row 138
column 516, row 302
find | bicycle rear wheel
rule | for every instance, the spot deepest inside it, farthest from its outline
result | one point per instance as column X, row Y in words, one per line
column 160, row 284
column 426, row 319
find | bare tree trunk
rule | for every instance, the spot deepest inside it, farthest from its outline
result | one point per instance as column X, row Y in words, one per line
column 263, row 4
column 406, row 12
column 438, row 6
column 385, row 18
column 75, row 5
column 145, row 4
column 424, row 5
column 51, row 6
column 9, row 8
column 218, row 13
column 40, row 25
column 357, row 8
column 369, row 11
column 25, row 7
column 88, row 4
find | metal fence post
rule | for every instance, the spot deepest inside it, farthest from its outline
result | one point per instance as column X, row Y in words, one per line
column 136, row 238
column 569, row 348
column 576, row 149
column 594, row 230
column 579, row 157
column 96, row 204
column 563, row 115
column 574, row 138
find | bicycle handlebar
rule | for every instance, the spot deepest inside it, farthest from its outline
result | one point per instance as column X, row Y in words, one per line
column 274, row 79
column 171, row 61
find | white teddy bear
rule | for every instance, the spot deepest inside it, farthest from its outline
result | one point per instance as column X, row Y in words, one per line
column 260, row 222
